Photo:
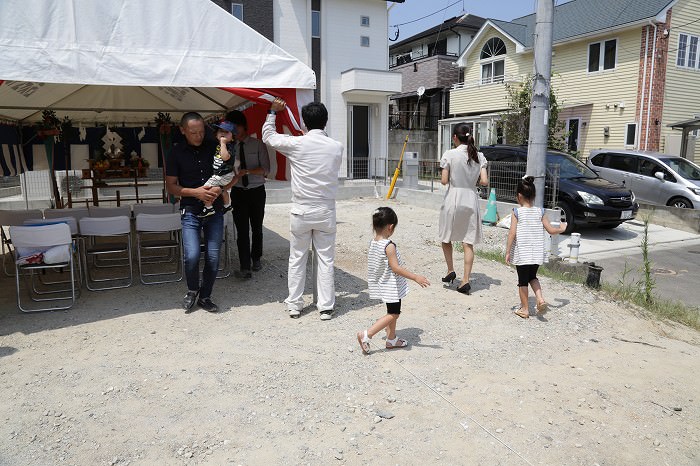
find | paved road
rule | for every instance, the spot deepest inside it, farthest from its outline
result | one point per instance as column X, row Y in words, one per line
column 674, row 254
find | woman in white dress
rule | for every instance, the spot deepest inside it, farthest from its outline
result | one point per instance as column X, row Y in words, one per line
column 460, row 217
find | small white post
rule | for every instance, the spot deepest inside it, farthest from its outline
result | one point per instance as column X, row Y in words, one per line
column 574, row 244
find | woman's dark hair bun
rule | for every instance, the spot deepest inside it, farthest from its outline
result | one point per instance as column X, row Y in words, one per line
column 528, row 179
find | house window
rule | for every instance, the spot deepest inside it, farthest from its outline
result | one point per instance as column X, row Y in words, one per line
column 492, row 61
column 492, row 72
column 237, row 10
column 315, row 24
column 364, row 41
column 687, row 54
column 682, row 44
column 602, row 55
column 631, row 134
column 364, row 21
column 693, row 52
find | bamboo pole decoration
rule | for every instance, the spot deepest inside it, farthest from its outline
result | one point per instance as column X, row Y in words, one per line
column 398, row 169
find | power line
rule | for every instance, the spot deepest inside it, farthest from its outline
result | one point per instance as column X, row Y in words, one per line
column 684, row 25
column 427, row 16
column 437, row 38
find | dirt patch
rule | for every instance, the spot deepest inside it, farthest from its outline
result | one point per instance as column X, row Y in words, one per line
column 126, row 377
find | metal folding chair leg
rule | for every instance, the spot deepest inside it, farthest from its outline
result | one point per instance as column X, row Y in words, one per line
column 159, row 232
column 71, row 298
column 114, row 234
column 174, row 247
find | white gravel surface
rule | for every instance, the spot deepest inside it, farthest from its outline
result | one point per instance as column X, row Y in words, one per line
column 126, row 377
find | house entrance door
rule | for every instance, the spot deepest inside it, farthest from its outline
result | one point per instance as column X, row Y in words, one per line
column 358, row 152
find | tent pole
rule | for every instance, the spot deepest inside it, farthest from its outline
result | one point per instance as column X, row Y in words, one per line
column 66, row 150
column 49, row 145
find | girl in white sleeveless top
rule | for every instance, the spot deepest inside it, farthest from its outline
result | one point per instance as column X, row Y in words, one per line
column 525, row 247
column 386, row 277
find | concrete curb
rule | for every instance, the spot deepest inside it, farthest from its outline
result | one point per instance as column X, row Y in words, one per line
column 671, row 217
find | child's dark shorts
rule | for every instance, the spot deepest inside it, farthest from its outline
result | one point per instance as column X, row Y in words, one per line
column 526, row 273
column 393, row 308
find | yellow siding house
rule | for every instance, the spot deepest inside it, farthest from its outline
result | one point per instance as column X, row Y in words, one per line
column 622, row 75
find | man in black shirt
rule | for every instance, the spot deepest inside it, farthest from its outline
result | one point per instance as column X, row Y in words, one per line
column 188, row 168
column 248, row 194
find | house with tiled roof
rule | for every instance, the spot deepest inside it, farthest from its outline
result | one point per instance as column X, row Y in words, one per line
column 622, row 71
column 426, row 59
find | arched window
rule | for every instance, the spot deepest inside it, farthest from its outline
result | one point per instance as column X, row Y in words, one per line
column 493, row 61
column 493, row 48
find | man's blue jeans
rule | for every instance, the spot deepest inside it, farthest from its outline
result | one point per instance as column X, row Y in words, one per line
column 213, row 227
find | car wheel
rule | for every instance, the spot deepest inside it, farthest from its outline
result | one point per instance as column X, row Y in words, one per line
column 567, row 215
column 680, row 202
column 610, row 226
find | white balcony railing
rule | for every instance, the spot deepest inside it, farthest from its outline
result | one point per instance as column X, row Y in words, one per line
column 487, row 82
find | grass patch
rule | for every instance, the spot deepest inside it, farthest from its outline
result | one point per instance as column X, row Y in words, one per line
column 490, row 254
column 626, row 290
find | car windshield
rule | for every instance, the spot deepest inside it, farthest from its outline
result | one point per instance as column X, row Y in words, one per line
column 683, row 167
column 569, row 167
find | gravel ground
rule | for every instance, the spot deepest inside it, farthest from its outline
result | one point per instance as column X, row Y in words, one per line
column 126, row 377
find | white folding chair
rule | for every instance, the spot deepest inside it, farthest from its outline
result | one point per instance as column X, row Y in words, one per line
column 152, row 209
column 70, row 221
column 76, row 212
column 106, row 237
column 10, row 218
column 56, row 246
column 158, row 232
column 73, row 225
column 100, row 212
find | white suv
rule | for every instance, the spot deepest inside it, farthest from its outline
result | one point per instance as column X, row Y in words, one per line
column 654, row 178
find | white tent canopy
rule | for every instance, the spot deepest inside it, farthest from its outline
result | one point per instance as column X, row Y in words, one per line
column 120, row 61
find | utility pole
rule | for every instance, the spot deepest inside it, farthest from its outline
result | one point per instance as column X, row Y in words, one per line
column 539, row 106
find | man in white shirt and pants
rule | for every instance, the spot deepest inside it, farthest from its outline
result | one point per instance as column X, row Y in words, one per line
column 314, row 159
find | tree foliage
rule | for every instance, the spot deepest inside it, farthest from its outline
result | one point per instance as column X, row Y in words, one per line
column 516, row 120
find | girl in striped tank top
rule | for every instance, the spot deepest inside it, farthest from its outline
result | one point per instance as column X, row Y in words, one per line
column 386, row 277
column 525, row 247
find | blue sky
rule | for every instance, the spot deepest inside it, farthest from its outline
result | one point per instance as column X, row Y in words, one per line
column 414, row 9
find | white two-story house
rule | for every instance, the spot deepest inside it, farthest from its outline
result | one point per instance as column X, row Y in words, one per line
column 345, row 43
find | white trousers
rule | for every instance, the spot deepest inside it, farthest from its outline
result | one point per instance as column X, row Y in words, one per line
column 311, row 225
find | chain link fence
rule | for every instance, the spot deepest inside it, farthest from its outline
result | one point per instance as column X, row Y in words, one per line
column 380, row 171
column 503, row 177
